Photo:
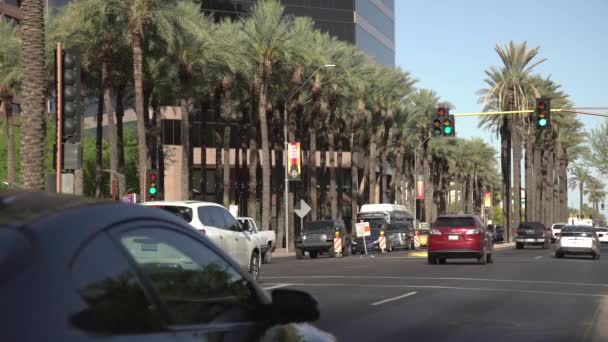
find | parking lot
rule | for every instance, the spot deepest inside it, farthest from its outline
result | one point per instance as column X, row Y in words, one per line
column 525, row 294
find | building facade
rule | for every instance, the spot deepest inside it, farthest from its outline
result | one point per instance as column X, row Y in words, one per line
column 369, row 24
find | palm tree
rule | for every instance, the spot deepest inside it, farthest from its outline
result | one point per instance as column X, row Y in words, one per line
column 268, row 34
column 10, row 77
column 579, row 177
column 599, row 146
column 141, row 15
column 596, row 191
column 510, row 88
column 33, row 109
column 572, row 138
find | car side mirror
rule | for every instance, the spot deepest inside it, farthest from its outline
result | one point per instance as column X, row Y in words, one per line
column 293, row 306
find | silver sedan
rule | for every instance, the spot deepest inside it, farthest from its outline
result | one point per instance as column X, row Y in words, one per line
column 578, row 240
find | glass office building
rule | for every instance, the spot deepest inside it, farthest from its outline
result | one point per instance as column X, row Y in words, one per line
column 369, row 24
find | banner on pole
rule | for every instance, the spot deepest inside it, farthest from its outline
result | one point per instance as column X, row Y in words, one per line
column 419, row 188
column 293, row 162
column 487, row 199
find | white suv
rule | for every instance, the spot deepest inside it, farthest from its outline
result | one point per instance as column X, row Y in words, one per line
column 218, row 224
column 556, row 229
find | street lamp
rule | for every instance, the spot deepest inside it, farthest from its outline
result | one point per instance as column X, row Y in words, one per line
column 285, row 151
column 416, row 174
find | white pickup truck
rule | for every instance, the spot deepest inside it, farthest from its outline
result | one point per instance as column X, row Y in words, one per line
column 266, row 238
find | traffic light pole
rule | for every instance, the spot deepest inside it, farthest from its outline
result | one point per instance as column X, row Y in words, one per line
column 567, row 110
column 59, row 115
column 416, row 175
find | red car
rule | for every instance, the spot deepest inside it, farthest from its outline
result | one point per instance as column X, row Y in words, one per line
column 458, row 237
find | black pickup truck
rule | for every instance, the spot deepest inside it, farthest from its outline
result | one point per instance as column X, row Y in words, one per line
column 318, row 238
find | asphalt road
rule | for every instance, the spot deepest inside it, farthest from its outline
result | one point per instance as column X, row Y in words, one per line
column 525, row 295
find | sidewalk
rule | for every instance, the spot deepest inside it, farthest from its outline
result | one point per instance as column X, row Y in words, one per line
column 281, row 253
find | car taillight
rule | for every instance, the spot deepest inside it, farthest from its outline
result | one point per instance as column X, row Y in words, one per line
column 473, row 232
column 435, row 232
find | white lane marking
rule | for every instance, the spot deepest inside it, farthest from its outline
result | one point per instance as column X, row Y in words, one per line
column 439, row 278
column 276, row 286
column 437, row 287
column 538, row 257
column 395, row 298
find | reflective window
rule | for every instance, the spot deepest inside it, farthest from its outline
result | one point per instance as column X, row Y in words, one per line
column 179, row 211
column 373, row 15
column 172, row 132
column 116, row 303
column 380, row 52
column 194, row 284
column 212, row 216
column 230, row 222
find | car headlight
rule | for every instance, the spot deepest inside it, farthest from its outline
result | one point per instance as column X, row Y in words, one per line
column 303, row 237
column 353, row 242
column 324, row 237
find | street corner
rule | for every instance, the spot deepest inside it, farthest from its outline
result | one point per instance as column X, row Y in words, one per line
column 420, row 254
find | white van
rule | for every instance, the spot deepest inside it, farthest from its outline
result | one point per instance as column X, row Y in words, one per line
column 382, row 214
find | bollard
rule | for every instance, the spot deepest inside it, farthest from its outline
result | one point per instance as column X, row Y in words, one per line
column 417, row 240
column 382, row 242
column 337, row 244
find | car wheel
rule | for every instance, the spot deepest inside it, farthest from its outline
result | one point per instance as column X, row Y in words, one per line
column 442, row 261
column 489, row 258
column 254, row 265
column 299, row 253
column 559, row 254
column 267, row 258
column 519, row 245
column 313, row 255
column 596, row 256
column 483, row 259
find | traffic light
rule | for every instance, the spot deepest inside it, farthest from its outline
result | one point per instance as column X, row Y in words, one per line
column 152, row 185
column 71, row 91
column 542, row 113
column 443, row 124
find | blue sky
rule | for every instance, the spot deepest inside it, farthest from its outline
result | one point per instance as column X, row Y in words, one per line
column 447, row 45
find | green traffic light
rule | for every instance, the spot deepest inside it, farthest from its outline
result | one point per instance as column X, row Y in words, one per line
column 542, row 122
column 152, row 191
column 447, row 130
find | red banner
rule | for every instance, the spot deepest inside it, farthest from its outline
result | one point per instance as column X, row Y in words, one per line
column 420, row 188
column 487, row 199
column 293, row 161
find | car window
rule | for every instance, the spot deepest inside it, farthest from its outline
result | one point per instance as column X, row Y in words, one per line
column 211, row 216
column 245, row 225
column 115, row 301
column 230, row 222
column 454, row 222
column 179, row 211
column 558, row 226
column 601, row 229
column 196, row 285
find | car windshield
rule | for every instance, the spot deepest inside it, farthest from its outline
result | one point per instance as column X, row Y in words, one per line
column 454, row 222
column 601, row 229
column 558, row 226
column 318, row 226
column 179, row 211
column 577, row 231
column 531, row 226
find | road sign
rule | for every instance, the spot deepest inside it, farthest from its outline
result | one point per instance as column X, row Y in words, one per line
column 363, row 229
column 129, row 198
column 304, row 209
column 234, row 210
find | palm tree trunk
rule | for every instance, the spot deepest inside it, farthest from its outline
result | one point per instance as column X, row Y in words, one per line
column 109, row 112
column 266, row 171
column 538, row 180
column 140, row 111
column 226, row 165
column 313, row 173
column 372, row 166
column 186, row 109
column 505, row 162
column 530, row 184
column 516, row 139
column 333, row 197
column 120, row 112
column 581, row 190
column 10, row 134
column 99, row 149
column 159, row 149
column 33, row 110
column 339, row 181
column 563, row 189
column 354, row 176
column 252, row 204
